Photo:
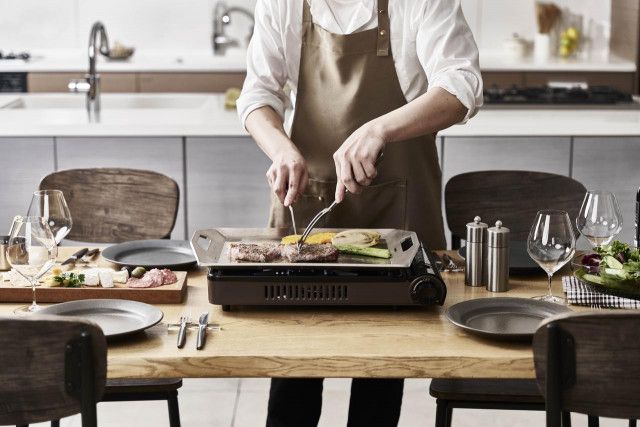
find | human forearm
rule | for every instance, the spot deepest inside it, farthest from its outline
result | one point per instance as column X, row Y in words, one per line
column 429, row 113
column 287, row 175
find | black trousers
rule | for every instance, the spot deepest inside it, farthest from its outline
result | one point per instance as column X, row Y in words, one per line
column 298, row 402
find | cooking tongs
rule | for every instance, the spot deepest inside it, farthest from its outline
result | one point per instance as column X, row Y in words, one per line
column 322, row 213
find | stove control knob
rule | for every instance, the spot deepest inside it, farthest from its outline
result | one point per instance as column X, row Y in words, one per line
column 427, row 290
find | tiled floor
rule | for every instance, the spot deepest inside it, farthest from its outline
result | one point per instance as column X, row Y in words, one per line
column 243, row 403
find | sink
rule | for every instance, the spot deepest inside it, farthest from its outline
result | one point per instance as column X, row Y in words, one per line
column 107, row 101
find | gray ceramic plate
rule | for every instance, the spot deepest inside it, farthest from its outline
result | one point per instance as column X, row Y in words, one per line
column 519, row 260
column 174, row 254
column 116, row 317
column 503, row 318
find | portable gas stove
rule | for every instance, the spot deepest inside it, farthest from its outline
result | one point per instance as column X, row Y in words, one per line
column 407, row 279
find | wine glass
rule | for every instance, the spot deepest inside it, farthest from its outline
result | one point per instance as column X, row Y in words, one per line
column 51, row 205
column 599, row 219
column 551, row 244
column 31, row 251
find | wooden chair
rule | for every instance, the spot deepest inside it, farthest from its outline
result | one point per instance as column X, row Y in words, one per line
column 50, row 367
column 110, row 205
column 514, row 197
column 588, row 363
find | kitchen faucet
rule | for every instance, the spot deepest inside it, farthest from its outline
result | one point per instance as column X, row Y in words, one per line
column 221, row 17
column 91, row 83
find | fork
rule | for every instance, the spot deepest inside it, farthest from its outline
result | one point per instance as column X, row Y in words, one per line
column 182, row 332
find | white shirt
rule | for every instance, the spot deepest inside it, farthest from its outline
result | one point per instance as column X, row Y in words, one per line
column 431, row 45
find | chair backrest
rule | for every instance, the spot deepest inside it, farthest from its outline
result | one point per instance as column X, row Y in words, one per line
column 513, row 197
column 111, row 205
column 50, row 367
column 589, row 363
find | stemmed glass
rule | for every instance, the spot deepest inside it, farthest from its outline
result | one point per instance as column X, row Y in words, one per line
column 51, row 205
column 599, row 219
column 551, row 244
column 31, row 251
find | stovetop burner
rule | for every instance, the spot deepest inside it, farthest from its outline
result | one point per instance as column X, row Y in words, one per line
column 24, row 56
column 542, row 95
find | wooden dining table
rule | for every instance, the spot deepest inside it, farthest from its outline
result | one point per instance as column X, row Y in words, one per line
column 408, row 342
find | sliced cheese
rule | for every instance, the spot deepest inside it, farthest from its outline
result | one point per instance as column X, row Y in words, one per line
column 105, row 278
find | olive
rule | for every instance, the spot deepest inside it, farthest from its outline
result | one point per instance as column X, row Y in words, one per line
column 65, row 282
column 138, row 272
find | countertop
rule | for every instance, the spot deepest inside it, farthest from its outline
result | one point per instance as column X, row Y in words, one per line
column 204, row 115
column 66, row 60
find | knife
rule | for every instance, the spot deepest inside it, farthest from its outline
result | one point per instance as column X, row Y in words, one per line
column 202, row 330
column 76, row 256
column 92, row 253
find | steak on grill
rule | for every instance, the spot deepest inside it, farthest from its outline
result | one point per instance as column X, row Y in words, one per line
column 310, row 253
column 255, row 252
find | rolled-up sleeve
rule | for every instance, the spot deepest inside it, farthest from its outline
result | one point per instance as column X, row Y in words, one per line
column 448, row 53
column 266, row 68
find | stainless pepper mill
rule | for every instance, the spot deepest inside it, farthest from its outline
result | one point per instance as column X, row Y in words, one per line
column 474, row 260
column 498, row 258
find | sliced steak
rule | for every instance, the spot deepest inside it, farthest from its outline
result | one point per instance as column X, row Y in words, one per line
column 255, row 252
column 151, row 279
column 310, row 253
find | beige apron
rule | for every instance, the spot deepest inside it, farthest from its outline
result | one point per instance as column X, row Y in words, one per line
column 344, row 82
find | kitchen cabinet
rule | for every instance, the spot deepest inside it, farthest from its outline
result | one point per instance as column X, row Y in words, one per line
column 23, row 163
column 57, row 82
column 189, row 82
column 624, row 82
column 159, row 154
column 226, row 183
column 611, row 164
column 502, row 80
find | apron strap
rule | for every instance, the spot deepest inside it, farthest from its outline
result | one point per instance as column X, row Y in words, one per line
column 384, row 37
column 306, row 11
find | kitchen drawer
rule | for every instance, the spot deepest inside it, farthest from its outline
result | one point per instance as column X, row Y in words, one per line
column 23, row 163
column 158, row 154
column 189, row 82
column 502, row 79
column 226, row 183
column 620, row 81
column 611, row 164
column 57, row 82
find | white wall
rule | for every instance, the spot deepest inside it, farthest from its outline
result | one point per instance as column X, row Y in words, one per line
column 186, row 24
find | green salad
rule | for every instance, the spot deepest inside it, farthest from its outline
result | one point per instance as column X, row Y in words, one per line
column 615, row 265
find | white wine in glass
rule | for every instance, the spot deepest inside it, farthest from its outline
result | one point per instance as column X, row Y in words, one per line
column 599, row 220
column 31, row 251
column 52, row 206
column 551, row 244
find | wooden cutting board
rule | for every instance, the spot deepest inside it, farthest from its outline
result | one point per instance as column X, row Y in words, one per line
column 166, row 294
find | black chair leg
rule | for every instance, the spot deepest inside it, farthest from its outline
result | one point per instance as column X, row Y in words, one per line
column 55, row 423
column 443, row 413
column 632, row 423
column 566, row 419
column 594, row 421
column 174, row 410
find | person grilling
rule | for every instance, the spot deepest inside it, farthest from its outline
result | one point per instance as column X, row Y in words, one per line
column 365, row 77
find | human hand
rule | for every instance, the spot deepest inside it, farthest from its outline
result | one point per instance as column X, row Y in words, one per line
column 288, row 176
column 356, row 158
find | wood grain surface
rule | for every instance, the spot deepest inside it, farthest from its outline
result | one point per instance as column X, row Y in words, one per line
column 167, row 294
column 33, row 367
column 323, row 342
column 113, row 205
column 513, row 197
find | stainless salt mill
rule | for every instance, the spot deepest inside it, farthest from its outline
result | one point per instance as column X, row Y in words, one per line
column 498, row 258
column 474, row 260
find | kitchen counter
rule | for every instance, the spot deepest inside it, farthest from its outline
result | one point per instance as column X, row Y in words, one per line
column 68, row 60
column 187, row 115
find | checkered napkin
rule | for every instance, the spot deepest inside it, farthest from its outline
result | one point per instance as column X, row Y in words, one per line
column 580, row 294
